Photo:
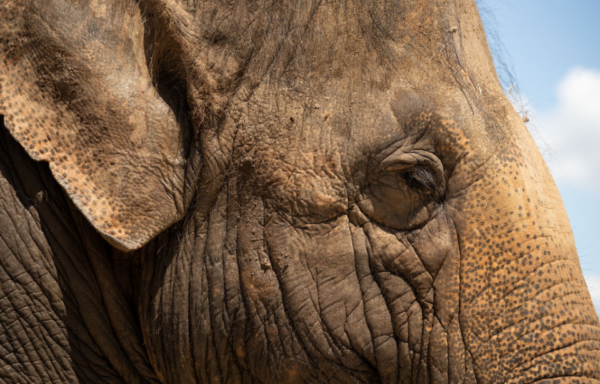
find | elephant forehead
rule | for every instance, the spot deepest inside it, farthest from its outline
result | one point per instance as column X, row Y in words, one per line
column 314, row 153
column 352, row 117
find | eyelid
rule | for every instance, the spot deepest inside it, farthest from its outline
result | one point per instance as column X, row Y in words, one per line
column 398, row 167
column 399, row 161
column 402, row 160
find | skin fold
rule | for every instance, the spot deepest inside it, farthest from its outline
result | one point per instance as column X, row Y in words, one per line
column 275, row 192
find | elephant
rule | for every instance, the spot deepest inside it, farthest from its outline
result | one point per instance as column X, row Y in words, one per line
column 275, row 191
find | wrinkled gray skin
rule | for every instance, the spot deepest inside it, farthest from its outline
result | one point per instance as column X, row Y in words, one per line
column 275, row 191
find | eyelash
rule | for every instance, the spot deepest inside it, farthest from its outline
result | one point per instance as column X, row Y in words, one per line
column 423, row 179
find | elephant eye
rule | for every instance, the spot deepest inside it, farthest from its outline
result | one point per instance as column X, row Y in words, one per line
column 423, row 179
column 419, row 170
column 404, row 190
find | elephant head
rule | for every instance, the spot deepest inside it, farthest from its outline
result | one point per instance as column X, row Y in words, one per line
column 286, row 191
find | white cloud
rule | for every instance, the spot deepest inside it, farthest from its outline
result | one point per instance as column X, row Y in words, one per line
column 572, row 131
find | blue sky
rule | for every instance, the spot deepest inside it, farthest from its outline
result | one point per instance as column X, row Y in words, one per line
column 552, row 48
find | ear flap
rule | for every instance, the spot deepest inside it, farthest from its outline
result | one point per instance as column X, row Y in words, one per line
column 76, row 92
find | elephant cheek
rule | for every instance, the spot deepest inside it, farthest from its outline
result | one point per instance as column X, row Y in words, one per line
column 418, row 273
column 317, row 269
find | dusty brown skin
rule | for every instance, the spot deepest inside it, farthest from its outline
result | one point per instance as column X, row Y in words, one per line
column 275, row 192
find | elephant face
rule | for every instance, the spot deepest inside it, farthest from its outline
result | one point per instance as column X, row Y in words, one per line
column 312, row 192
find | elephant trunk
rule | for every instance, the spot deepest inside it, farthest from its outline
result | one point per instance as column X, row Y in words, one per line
column 525, row 310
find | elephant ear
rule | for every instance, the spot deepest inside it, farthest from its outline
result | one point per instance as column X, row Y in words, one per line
column 76, row 92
